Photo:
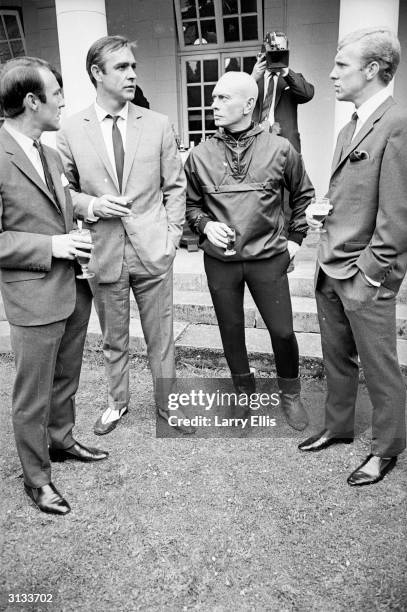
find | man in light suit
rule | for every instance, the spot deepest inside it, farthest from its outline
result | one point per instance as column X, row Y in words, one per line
column 362, row 257
column 47, row 309
column 116, row 154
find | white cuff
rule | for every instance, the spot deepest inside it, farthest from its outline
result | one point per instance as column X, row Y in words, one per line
column 371, row 281
column 91, row 217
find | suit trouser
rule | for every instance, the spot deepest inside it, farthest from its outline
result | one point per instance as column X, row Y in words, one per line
column 48, row 362
column 356, row 319
column 268, row 284
column 153, row 295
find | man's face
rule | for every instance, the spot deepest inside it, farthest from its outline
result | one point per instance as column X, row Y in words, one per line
column 118, row 78
column 49, row 112
column 348, row 75
column 228, row 106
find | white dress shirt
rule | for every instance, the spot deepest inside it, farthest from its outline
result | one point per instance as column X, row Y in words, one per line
column 106, row 124
column 267, row 77
column 27, row 145
column 368, row 108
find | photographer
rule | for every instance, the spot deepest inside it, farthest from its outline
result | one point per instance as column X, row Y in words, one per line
column 280, row 89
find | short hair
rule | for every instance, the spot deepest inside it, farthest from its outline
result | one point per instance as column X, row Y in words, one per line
column 19, row 77
column 379, row 44
column 96, row 55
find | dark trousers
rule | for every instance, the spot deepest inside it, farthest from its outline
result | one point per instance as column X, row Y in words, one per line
column 267, row 282
column 357, row 319
column 48, row 362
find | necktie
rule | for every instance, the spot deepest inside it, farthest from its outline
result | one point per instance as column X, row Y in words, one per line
column 118, row 149
column 47, row 174
column 348, row 134
column 267, row 112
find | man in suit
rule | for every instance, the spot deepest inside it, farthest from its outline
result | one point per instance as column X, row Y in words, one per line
column 47, row 309
column 362, row 257
column 116, row 154
column 280, row 91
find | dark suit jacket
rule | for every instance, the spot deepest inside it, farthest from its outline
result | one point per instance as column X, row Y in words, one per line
column 367, row 229
column 291, row 91
column 36, row 288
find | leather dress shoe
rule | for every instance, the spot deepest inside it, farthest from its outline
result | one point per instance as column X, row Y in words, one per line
column 100, row 428
column 359, row 478
column 179, row 425
column 322, row 440
column 48, row 499
column 77, row 452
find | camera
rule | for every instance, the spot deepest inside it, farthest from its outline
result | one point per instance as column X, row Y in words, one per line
column 275, row 50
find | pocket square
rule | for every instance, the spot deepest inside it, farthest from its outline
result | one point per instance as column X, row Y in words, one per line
column 64, row 180
column 356, row 155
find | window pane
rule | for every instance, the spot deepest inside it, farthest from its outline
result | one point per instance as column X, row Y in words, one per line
column 210, row 70
column 208, row 29
column 193, row 72
column 249, row 28
column 248, row 6
column 190, row 32
column 194, row 95
column 17, row 48
column 4, row 53
column 195, row 120
column 209, row 122
column 196, row 138
column 206, row 8
column 188, row 9
column 12, row 26
column 231, row 29
column 2, row 32
column 248, row 63
column 232, row 64
column 208, row 89
column 229, row 7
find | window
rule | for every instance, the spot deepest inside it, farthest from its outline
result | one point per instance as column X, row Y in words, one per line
column 218, row 22
column 12, row 43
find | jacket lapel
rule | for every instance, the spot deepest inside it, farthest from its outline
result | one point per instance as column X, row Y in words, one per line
column 58, row 187
column 134, row 129
column 94, row 133
column 367, row 127
column 281, row 85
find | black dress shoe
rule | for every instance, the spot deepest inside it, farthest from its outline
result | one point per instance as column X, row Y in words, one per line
column 100, row 428
column 322, row 440
column 77, row 452
column 179, row 424
column 48, row 499
column 358, row 478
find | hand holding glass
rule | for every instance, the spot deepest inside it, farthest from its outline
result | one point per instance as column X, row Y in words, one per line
column 319, row 210
column 126, row 201
column 82, row 259
column 230, row 250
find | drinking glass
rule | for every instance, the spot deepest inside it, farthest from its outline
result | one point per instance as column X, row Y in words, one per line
column 230, row 250
column 83, row 261
column 319, row 209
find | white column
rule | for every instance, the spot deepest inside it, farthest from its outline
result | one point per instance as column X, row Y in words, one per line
column 356, row 14
column 80, row 23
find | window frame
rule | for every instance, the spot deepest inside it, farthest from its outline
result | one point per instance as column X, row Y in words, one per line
column 17, row 14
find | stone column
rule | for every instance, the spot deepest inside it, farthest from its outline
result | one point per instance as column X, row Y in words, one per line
column 80, row 23
column 356, row 14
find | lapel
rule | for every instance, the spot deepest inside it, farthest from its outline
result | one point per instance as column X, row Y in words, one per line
column 133, row 133
column 94, row 133
column 367, row 127
column 59, row 189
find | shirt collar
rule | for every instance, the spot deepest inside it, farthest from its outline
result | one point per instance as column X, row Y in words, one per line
column 101, row 113
column 368, row 108
column 25, row 142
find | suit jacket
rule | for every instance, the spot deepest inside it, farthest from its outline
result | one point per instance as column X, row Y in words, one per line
column 153, row 176
column 292, row 90
column 367, row 229
column 36, row 288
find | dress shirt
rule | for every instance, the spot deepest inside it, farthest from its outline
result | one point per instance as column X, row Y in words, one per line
column 267, row 77
column 27, row 145
column 106, row 124
column 368, row 108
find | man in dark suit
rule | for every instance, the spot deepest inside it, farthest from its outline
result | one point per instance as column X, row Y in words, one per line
column 362, row 257
column 280, row 91
column 47, row 309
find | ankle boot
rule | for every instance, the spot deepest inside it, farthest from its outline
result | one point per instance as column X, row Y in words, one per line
column 291, row 404
column 244, row 385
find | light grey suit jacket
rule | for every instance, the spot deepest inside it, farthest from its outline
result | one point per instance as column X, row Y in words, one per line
column 153, row 176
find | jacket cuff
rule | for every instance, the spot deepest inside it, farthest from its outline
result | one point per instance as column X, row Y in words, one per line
column 201, row 223
column 367, row 263
column 297, row 237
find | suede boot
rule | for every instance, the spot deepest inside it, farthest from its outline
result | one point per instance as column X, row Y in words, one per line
column 291, row 404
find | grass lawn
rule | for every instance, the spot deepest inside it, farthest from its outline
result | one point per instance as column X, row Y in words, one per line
column 204, row 524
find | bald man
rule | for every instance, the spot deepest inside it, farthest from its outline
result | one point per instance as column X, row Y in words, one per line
column 234, row 185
